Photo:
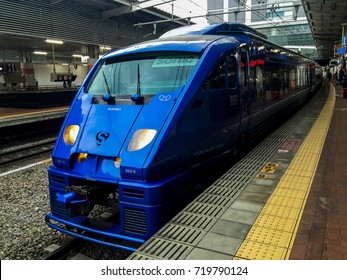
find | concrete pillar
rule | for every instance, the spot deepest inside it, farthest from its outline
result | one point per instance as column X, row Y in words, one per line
column 90, row 63
column 93, row 53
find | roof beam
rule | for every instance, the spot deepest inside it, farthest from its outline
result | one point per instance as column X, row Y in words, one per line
column 55, row 2
column 116, row 12
column 136, row 7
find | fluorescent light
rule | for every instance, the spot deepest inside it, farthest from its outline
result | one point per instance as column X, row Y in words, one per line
column 65, row 64
column 300, row 47
column 106, row 48
column 54, row 41
column 77, row 55
column 40, row 53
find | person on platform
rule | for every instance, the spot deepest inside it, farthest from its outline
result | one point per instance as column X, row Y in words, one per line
column 341, row 74
column 344, row 81
column 343, row 63
column 329, row 75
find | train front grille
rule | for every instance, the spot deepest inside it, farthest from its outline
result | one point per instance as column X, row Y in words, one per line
column 135, row 220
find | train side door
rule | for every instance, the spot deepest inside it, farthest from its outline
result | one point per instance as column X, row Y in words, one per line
column 244, row 89
column 219, row 114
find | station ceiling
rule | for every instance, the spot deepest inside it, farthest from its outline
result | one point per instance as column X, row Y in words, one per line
column 128, row 10
column 326, row 18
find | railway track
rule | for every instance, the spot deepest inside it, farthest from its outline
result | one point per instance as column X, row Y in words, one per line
column 67, row 251
column 25, row 151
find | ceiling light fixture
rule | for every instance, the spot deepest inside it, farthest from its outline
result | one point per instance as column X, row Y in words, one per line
column 40, row 53
column 51, row 41
column 107, row 48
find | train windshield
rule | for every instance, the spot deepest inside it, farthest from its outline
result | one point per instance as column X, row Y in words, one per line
column 145, row 75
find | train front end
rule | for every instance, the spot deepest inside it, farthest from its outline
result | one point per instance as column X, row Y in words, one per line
column 101, row 185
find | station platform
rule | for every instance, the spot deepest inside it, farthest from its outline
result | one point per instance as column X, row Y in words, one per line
column 21, row 116
column 322, row 233
column 34, row 98
column 287, row 199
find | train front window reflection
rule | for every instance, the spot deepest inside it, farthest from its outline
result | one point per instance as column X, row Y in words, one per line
column 147, row 75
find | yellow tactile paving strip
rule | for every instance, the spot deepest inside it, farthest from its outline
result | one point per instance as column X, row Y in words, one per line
column 273, row 233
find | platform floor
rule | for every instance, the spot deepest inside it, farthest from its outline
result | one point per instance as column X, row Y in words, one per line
column 322, row 233
column 287, row 199
column 16, row 116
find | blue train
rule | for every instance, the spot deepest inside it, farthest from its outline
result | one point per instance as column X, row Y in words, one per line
column 148, row 118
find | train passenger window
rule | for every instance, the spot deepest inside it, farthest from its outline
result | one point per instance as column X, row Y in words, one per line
column 223, row 75
column 243, row 74
column 259, row 82
column 231, row 68
column 216, row 79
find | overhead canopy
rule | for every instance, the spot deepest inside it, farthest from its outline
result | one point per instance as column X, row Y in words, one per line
column 325, row 18
column 84, row 27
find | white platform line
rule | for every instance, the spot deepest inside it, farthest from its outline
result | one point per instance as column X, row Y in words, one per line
column 24, row 167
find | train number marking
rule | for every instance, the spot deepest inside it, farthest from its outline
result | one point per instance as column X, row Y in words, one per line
column 130, row 171
column 101, row 137
column 164, row 98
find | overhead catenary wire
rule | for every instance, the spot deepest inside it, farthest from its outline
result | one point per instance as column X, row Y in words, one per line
column 177, row 5
column 254, row 9
column 273, row 8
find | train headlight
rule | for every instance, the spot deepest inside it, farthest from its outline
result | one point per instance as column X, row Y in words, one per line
column 117, row 162
column 70, row 134
column 82, row 157
column 141, row 139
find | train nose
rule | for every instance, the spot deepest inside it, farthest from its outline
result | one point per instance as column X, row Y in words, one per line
column 106, row 129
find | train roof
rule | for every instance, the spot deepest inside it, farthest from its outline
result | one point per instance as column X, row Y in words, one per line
column 189, row 43
column 225, row 28
column 193, row 38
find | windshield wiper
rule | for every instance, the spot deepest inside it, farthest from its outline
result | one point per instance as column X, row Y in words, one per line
column 137, row 97
column 138, row 80
column 107, row 97
column 106, row 84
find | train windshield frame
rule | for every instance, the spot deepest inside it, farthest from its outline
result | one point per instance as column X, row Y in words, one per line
column 145, row 74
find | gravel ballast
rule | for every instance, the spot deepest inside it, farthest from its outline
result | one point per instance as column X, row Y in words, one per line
column 24, row 202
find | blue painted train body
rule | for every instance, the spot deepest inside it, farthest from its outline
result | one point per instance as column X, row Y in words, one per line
column 150, row 116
